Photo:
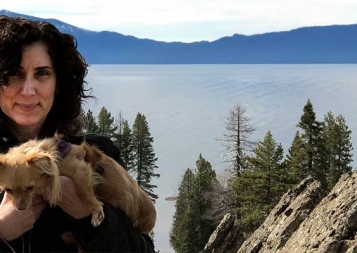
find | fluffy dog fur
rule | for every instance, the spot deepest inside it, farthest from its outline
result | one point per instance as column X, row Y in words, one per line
column 35, row 166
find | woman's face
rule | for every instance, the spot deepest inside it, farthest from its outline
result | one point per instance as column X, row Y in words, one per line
column 29, row 96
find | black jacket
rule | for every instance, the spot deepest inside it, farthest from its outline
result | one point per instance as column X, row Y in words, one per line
column 115, row 233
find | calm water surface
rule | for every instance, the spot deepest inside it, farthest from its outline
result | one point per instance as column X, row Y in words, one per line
column 186, row 107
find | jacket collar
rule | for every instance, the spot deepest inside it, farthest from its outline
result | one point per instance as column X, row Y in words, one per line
column 9, row 140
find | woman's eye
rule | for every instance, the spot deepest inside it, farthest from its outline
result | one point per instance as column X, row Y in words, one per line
column 42, row 73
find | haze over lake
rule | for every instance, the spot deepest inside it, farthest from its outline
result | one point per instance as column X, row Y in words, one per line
column 186, row 107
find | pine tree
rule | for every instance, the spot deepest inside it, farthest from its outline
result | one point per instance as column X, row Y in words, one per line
column 106, row 123
column 296, row 160
column 202, row 187
column 236, row 141
column 259, row 189
column 124, row 140
column 117, row 136
column 338, row 147
column 126, row 146
column 267, row 158
column 192, row 227
column 343, row 146
column 144, row 156
column 314, row 144
column 179, row 233
column 251, row 212
column 188, row 230
column 90, row 124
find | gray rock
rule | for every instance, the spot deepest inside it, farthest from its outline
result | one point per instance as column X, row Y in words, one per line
column 293, row 208
column 226, row 238
column 306, row 219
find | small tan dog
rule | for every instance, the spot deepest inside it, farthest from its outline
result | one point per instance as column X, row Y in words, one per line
column 35, row 166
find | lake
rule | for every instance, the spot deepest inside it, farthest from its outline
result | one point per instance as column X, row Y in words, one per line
column 186, row 107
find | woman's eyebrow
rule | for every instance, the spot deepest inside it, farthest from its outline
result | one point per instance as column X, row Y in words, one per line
column 40, row 67
column 44, row 67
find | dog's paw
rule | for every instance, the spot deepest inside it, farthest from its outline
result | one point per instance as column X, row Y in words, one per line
column 97, row 217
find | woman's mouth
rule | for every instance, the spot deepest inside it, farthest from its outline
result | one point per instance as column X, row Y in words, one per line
column 27, row 107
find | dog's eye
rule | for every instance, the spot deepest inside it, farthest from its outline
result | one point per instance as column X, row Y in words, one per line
column 9, row 191
column 30, row 188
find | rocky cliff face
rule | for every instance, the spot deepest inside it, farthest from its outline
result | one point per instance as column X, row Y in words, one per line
column 305, row 220
column 226, row 238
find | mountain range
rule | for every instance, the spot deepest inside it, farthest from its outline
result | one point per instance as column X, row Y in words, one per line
column 335, row 44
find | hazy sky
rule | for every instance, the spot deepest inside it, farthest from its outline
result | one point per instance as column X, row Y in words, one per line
column 190, row 20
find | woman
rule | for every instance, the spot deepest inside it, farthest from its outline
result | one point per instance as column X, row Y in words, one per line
column 42, row 89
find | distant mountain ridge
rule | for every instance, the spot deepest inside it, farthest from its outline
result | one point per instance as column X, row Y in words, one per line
column 308, row 45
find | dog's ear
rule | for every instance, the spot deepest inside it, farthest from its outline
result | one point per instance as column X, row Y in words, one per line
column 45, row 162
column 49, row 168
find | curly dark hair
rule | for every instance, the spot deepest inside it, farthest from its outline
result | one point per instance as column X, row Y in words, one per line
column 69, row 65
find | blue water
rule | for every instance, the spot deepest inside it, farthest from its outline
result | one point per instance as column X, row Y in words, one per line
column 186, row 107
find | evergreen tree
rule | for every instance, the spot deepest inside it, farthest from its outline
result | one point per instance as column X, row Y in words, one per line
column 106, row 123
column 124, row 140
column 338, row 147
column 259, row 189
column 126, row 146
column 236, row 141
column 188, row 230
column 117, row 136
column 144, row 156
column 202, row 187
column 251, row 212
column 314, row 144
column 90, row 124
column 191, row 227
column 343, row 146
column 267, row 158
column 179, row 235
column 296, row 160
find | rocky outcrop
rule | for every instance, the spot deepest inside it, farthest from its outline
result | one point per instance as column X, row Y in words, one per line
column 293, row 208
column 307, row 220
column 226, row 238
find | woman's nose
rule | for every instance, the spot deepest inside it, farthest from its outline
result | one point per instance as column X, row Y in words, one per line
column 28, row 87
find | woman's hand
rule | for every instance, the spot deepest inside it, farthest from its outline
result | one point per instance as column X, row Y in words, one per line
column 14, row 223
column 70, row 202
